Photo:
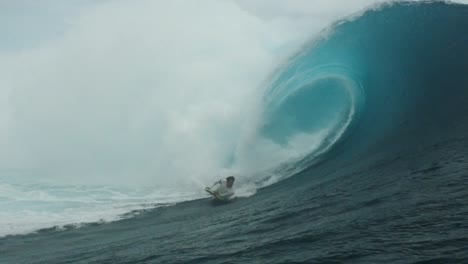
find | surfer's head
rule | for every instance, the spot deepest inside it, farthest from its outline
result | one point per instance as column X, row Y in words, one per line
column 230, row 181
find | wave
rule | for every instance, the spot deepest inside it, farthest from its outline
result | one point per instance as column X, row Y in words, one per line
column 392, row 74
column 393, row 77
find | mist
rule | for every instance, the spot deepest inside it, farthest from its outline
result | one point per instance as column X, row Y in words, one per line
column 142, row 92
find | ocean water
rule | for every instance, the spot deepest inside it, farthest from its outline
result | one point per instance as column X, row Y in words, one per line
column 368, row 129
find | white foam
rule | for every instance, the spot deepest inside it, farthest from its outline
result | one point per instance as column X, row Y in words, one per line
column 144, row 92
column 27, row 208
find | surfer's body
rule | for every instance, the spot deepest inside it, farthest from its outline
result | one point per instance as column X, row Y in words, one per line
column 222, row 189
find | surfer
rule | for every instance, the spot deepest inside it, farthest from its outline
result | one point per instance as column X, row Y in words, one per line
column 224, row 187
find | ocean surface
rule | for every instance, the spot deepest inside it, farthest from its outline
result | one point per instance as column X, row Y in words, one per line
column 382, row 179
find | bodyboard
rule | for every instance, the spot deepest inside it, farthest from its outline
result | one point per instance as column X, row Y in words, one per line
column 216, row 195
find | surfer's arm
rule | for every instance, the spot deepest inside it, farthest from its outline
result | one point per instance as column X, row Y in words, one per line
column 217, row 182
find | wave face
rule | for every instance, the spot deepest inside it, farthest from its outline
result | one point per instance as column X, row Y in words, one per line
column 384, row 80
column 370, row 121
column 411, row 62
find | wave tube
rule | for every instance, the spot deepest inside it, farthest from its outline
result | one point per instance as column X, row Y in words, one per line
column 390, row 78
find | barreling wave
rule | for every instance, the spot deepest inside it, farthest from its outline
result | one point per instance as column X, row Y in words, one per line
column 394, row 77
column 390, row 76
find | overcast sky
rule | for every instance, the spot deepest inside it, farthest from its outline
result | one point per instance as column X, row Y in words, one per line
column 24, row 23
